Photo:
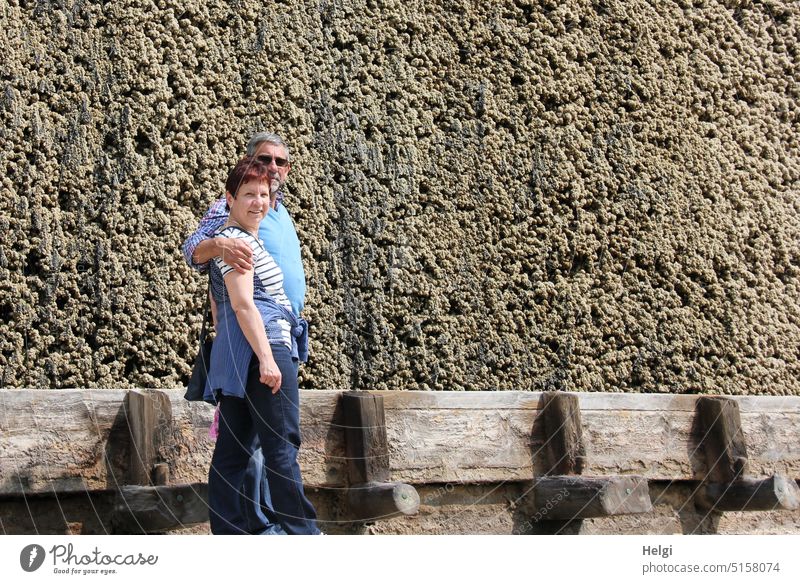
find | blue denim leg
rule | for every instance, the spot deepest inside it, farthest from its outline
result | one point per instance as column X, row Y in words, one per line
column 228, row 512
column 255, row 499
column 277, row 422
column 228, row 463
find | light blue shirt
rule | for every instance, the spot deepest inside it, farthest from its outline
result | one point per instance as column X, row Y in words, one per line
column 279, row 236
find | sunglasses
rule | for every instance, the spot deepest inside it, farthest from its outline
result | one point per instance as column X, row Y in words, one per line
column 267, row 159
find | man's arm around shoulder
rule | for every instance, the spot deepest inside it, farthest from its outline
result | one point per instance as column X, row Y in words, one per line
column 201, row 246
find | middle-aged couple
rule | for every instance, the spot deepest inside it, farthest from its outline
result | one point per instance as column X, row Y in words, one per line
column 249, row 245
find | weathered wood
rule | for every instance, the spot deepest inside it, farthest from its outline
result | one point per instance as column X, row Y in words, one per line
column 149, row 418
column 448, row 441
column 365, row 437
column 139, row 509
column 62, row 441
column 775, row 493
column 161, row 474
column 722, row 438
column 78, row 440
column 375, row 501
column 563, row 448
column 575, row 497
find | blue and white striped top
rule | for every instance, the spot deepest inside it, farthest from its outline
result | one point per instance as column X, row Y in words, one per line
column 231, row 353
column 267, row 283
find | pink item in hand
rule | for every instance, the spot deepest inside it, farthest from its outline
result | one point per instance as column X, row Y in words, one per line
column 213, row 431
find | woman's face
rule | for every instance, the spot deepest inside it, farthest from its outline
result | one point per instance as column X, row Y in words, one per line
column 251, row 204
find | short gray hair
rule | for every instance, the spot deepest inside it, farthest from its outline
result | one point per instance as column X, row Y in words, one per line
column 269, row 138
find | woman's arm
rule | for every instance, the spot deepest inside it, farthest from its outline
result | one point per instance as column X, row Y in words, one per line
column 240, row 290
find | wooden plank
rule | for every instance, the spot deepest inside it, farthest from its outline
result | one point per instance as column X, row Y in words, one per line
column 139, row 509
column 774, row 493
column 617, row 402
column 370, row 502
column 722, row 439
column 76, row 440
column 322, row 457
column 62, row 441
column 365, row 438
column 577, row 497
column 486, row 445
column 563, row 447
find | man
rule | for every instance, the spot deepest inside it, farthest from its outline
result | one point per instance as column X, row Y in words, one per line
column 277, row 230
column 279, row 236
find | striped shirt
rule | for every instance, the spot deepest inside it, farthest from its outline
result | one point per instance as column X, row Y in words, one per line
column 267, row 283
column 278, row 234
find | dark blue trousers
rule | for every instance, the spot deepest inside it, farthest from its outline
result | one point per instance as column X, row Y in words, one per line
column 256, row 502
column 275, row 419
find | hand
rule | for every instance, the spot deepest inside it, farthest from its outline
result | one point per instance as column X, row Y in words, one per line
column 236, row 253
column 270, row 374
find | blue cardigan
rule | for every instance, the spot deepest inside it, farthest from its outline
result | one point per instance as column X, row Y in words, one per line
column 231, row 353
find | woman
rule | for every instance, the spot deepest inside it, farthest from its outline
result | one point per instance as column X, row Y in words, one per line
column 253, row 373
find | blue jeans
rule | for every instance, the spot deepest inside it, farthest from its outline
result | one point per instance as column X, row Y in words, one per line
column 255, row 500
column 275, row 419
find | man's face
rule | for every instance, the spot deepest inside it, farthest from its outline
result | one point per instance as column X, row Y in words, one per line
column 277, row 154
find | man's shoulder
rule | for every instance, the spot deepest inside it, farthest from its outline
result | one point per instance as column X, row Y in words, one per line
column 217, row 208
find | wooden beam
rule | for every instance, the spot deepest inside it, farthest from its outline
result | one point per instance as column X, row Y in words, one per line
column 774, row 493
column 161, row 474
column 563, row 447
column 576, row 497
column 140, row 509
column 370, row 496
column 365, row 437
column 62, row 441
column 722, row 439
column 150, row 421
column 374, row 501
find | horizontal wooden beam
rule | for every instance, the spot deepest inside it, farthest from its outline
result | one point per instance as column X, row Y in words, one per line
column 376, row 501
column 772, row 494
column 78, row 440
column 139, row 509
column 577, row 497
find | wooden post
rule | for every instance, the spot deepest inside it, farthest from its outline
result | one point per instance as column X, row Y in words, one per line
column 149, row 418
column 365, row 436
column 161, row 474
column 775, row 493
column 575, row 497
column 563, row 447
column 140, row 509
column 371, row 496
column 562, row 494
column 722, row 439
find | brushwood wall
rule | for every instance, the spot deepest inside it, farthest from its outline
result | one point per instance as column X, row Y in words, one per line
column 583, row 195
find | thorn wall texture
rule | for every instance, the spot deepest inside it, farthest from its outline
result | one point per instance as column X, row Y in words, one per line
column 582, row 195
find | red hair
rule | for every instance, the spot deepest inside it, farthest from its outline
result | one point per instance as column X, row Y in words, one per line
column 247, row 169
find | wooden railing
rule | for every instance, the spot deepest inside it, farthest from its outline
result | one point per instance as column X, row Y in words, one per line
column 153, row 449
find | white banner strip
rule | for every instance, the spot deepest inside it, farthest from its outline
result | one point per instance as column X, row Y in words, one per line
column 402, row 559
